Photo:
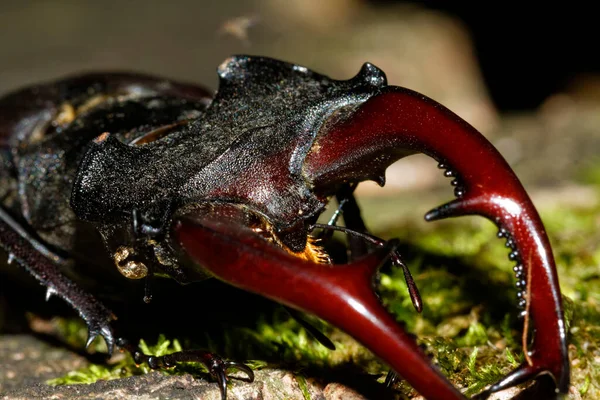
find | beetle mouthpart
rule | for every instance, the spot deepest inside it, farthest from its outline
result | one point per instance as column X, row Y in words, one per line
column 129, row 269
column 313, row 251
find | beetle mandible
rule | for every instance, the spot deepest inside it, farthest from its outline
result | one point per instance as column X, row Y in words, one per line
column 172, row 178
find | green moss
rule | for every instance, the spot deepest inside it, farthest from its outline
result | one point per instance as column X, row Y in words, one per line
column 475, row 336
column 303, row 386
column 288, row 341
column 481, row 375
column 124, row 367
column 89, row 374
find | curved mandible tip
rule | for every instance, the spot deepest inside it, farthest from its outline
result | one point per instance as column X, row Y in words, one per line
column 399, row 122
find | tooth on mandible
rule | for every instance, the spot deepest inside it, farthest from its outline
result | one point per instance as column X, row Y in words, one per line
column 50, row 292
column 454, row 208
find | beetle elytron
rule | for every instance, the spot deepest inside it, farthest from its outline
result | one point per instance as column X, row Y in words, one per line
column 172, row 178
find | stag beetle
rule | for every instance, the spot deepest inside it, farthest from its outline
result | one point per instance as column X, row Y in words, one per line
column 176, row 181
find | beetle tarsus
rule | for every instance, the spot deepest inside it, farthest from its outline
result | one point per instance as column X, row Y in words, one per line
column 216, row 366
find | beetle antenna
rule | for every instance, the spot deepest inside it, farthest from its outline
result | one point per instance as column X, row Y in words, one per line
column 343, row 197
column 413, row 290
column 337, row 213
column 327, row 233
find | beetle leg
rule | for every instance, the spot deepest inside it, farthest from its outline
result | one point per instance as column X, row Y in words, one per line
column 237, row 255
column 352, row 220
column 25, row 250
column 216, row 366
column 398, row 122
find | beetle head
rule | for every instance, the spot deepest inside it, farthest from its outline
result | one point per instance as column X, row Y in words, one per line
column 247, row 149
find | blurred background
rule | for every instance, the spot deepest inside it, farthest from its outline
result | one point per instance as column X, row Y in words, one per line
column 527, row 79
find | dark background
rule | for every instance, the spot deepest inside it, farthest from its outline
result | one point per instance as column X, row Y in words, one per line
column 527, row 51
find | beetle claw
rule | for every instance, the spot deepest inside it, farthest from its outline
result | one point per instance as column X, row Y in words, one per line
column 390, row 378
column 104, row 331
column 91, row 336
column 242, row 367
column 222, row 380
